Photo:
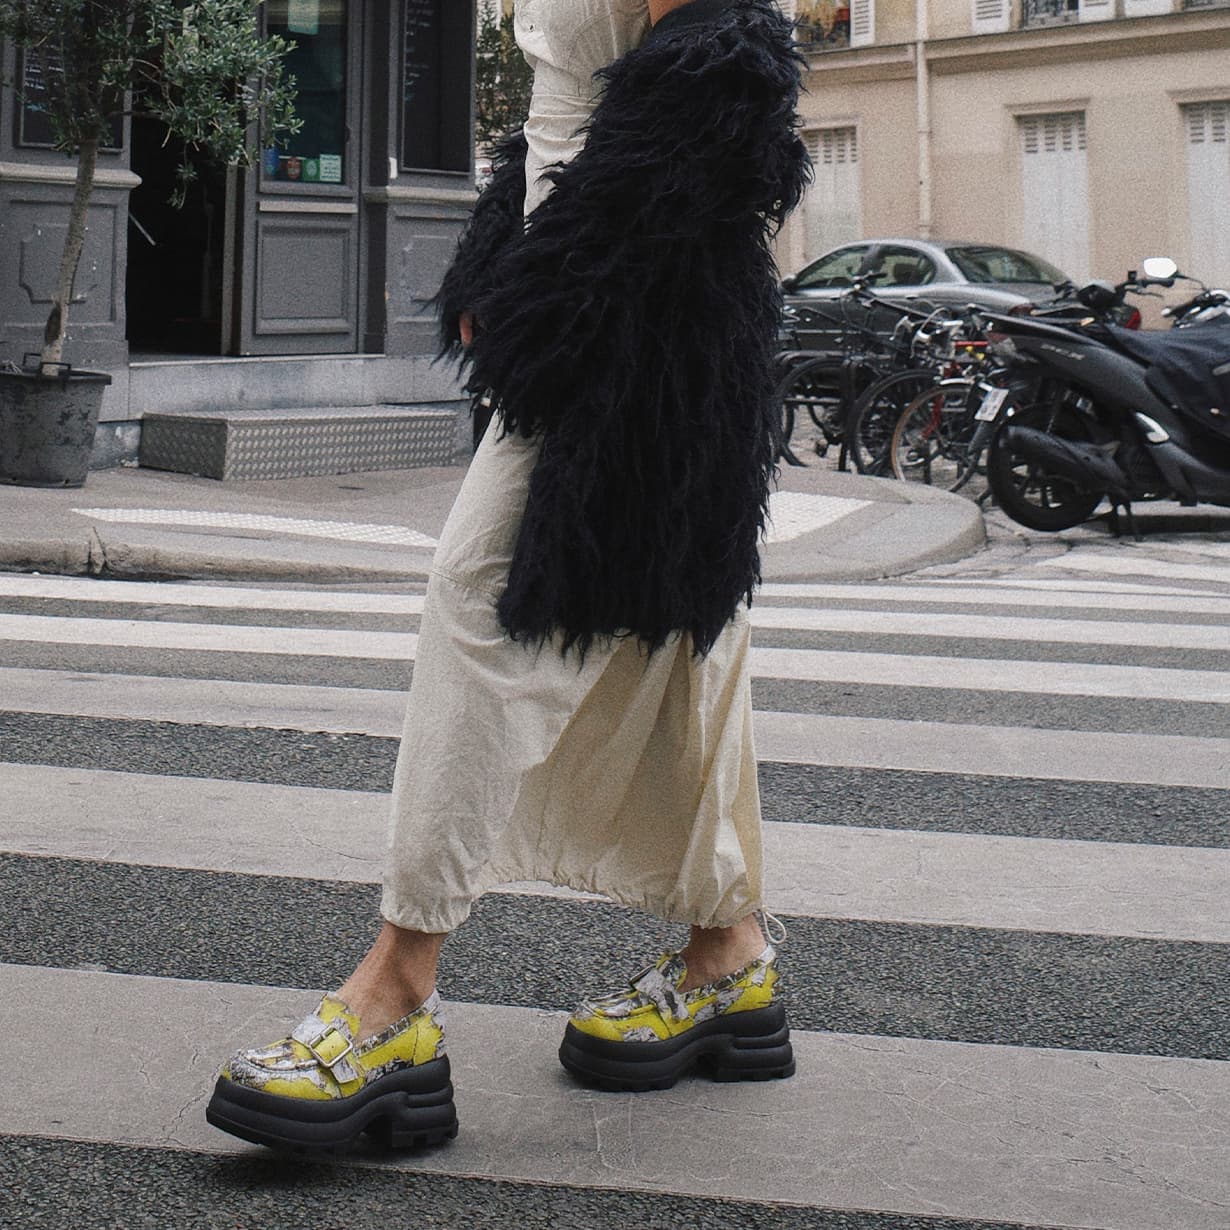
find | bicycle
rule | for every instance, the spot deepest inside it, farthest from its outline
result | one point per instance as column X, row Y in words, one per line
column 939, row 349
column 828, row 384
column 942, row 436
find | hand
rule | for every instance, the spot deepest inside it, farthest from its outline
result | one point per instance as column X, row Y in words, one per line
column 465, row 326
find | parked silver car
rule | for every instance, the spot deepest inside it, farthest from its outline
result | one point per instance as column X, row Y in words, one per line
column 940, row 272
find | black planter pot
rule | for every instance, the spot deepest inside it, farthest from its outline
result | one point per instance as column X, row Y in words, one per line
column 47, row 425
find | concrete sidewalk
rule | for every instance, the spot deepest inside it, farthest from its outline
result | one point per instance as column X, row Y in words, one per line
column 382, row 526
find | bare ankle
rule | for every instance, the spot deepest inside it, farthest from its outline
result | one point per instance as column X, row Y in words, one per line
column 395, row 976
column 712, row 953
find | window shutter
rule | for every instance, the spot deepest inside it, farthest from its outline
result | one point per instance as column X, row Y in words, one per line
column 1208, row 190
column 991, row 16
column 1054, row 190
column 862, row 22
column 832, row 206
column 1096, row 10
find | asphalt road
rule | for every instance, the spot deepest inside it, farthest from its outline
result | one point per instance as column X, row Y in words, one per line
column 1049, row 1071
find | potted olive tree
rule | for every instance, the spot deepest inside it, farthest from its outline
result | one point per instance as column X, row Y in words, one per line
column 203, row 71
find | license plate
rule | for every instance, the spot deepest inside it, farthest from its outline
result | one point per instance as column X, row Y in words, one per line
column 991, row 403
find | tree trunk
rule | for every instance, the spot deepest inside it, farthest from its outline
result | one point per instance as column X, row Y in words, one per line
column 74, row 241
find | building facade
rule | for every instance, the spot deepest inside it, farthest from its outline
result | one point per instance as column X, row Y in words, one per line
column 1093, row 132
column 330, row 248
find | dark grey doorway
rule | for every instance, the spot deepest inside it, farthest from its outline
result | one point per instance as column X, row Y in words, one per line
column 175, row 256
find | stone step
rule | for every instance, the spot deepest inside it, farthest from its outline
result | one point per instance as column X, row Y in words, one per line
column 300, row 442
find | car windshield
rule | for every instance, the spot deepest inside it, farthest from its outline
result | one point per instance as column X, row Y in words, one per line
column 986, row 264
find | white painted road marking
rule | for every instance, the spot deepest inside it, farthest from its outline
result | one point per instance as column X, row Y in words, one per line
column 813, row 870
column 342, row 531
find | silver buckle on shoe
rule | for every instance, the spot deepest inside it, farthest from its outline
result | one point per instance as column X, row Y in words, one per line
column 312, row 1031
column 328, row 1060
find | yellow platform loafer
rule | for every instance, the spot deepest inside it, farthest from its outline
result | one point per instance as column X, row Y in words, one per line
column 318, row 1090
column 648, row 1036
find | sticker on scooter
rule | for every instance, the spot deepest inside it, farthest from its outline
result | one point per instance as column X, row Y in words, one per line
column 991, row 402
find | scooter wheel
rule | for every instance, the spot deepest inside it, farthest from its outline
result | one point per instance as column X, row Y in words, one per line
column 1025, row 490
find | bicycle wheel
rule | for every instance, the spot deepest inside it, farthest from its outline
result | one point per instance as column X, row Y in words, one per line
column 931, row 442
column 811, row 389
column 869, row 428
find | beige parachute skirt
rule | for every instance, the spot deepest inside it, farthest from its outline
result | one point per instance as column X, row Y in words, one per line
column 626, row 774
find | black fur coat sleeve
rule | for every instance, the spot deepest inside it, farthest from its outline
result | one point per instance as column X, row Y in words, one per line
column 632, row 325
column 496, row 219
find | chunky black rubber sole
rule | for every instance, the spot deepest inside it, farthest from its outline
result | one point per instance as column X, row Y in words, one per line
column 410, row 1109
column 742, row 1046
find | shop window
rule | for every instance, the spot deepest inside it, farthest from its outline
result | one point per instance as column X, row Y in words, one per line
column 1064, row 12
column 317, row 61
column 41, row 74
column 436, row 84
column 822, row 25
column 1049, row 12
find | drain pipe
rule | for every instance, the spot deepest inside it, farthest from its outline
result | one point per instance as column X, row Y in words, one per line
column 922, row 101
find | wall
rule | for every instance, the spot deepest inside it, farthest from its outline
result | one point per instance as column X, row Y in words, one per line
column 1130, row 77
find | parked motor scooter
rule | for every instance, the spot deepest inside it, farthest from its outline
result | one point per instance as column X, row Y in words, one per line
column 1110, row 414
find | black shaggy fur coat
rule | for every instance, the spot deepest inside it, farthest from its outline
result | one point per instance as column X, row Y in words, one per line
column 631, row 322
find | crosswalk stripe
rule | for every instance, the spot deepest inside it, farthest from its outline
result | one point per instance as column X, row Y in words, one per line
column 210, row 702
column 993, row 627
column 226, row 597
column 1137, row 598
column 1204, row 548
column 992, row 674
column 822, row 871
column 921, row 1126
column 229, row 638
column 995, row 751
column 1074, row 585
column 940, row 747
column 1136, row 565
column 988, row 592
column 349, row 643
column 379, row 712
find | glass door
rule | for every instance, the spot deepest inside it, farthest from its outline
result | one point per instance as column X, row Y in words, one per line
column 296, row 219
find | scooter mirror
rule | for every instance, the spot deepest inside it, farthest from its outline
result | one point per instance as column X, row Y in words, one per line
column 1160, row 268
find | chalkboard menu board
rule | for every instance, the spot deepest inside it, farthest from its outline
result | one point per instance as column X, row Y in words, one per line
column 34, row 127
column 421, row 83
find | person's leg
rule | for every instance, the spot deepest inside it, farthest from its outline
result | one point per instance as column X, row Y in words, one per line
column 712, row 953
column 397, row 974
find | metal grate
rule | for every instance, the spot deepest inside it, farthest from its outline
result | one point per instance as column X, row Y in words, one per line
column 289, row 444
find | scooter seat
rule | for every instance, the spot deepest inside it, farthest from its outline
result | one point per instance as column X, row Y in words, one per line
column 1189, row 369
